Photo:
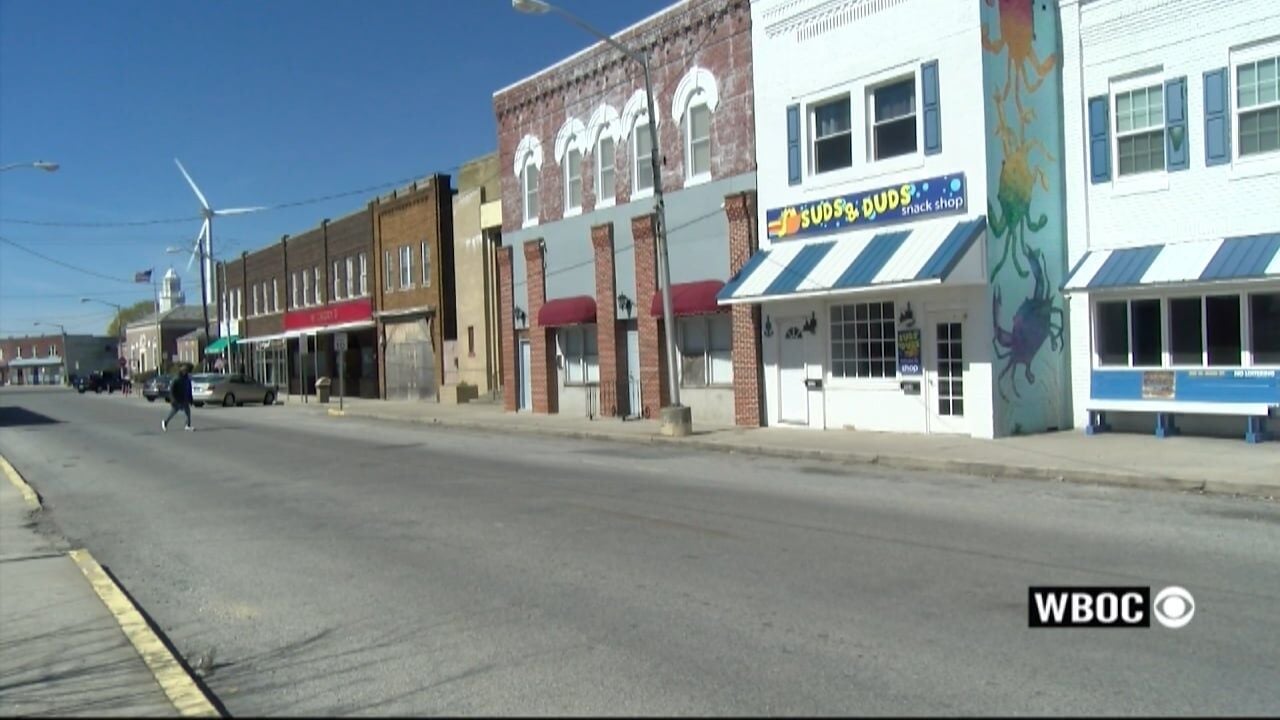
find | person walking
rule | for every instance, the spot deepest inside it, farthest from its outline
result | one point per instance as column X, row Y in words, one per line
column 179, row 397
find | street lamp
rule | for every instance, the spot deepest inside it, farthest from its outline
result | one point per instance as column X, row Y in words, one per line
column 676, row 419
column 37, row 165
column 172, row 250
column 63, row 330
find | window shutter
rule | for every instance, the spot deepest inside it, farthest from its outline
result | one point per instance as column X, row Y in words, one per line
column 932, row 108
column 1099, row 139
column 793, row 144
column 1217, row 128
column 1177, row 154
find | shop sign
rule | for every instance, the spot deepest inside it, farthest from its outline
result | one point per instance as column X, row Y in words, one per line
column 333, row 314
column 1158, row 385
column 941, row 195
column 909, row 352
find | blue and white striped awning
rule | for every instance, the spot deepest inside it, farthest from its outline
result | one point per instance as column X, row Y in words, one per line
column 923, row 254
column 1201, row 261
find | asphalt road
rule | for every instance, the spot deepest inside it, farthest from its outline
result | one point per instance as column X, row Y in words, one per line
column 341, row 566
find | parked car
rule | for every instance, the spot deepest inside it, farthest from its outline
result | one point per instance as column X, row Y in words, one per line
column 229, row 389
column 97, row 381
column 157, row 387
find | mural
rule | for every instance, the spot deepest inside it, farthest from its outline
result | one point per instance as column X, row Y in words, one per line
column 1026, row 211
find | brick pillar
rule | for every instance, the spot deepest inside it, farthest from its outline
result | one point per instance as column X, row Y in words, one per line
column 507, row 331
column 748, row 384
column 653, row 366
column 612, row 364
column 541, row 347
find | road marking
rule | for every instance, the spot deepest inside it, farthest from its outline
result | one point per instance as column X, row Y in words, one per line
column 182, row 690
column 28, row 493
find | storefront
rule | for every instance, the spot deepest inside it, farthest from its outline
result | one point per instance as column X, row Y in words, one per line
column 571, row 322
column 309, row 351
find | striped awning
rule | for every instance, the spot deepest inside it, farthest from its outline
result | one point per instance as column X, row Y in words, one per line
column 919, row 255
column 1197, row 262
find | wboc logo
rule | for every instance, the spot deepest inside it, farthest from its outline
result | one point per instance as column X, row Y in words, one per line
column 1108, row 607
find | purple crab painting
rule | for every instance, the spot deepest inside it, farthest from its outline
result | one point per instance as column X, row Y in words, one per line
column 1037, row 319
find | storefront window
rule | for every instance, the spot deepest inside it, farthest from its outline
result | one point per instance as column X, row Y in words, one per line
column 1147, row 335
column 581, row 359
column 1222, row 325
column 1186, row 331
column 706, row 350
column 864, row 341
column 1113, row 333
column 1264, row 323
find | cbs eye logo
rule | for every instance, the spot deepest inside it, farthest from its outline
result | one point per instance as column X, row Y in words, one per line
column 1174, row 607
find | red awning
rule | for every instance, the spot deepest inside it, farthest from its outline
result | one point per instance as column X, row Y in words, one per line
column 568, row 311
column 692, row 298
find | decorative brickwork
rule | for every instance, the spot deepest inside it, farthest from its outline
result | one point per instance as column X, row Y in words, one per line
column 613, row 369
column 653, row 367
column 740, row 209
column 546, row 399
column 507, row 332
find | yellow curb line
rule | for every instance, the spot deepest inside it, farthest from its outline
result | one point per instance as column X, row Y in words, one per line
column 186, row 696
column 28, row 493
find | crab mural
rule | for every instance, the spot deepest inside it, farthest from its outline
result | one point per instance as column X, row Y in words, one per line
column 1037, row 319
column 1017, row 182
column 1017, row 37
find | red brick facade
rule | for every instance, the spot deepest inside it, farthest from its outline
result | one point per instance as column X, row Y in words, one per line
column 542, row 346
column 740, row 210
column 653, row 367
column 507, row 331
column 612, row 365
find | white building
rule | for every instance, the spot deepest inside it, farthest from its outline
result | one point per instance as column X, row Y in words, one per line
column 1172, row 122
column 910, row 186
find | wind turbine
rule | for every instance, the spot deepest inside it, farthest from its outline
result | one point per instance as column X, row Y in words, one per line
column 203, row 245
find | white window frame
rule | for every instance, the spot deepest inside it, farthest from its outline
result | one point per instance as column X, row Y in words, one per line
column 351, row 277
column 337, row 281
column 275, row 295
column 708, row 351
column 319, row 286
column 641, row 127
column 1246, row 56
column 406, row 266
column 1147, row 82
column 691, row 177
column 257, row 307
column 606, row 197
column 293, row 281
column 586, row 362
column 364, row 274
column 890, row 378
column 530, row 212
column 426, row 264
column 570, row 167
column 869, row 108
column 306, row 289
column 1166, row 329
column 388, row 276
column 811, row 122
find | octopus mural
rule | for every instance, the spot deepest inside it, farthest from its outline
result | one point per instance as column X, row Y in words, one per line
column 1025, row 211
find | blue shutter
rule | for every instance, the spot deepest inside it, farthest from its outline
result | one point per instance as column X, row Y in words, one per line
column 932, row 108
column 1177, row 155
column 793, row 145
column 1099, row 140
column 1217, row 128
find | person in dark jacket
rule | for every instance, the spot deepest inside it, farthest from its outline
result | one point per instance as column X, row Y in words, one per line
column 179, row 397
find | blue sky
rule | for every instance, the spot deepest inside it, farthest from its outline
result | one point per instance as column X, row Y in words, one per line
column 264, row 102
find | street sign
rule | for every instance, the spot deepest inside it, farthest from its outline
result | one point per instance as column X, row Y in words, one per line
column 340, row 342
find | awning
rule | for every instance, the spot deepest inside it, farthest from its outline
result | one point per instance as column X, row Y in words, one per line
column 577, row 310
column 1184, row 263
column 220, row 344
column 35, row 362
column 924, row 254
column 691, row 298
column 261, row 339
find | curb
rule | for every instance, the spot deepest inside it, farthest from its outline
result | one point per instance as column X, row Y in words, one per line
column 897, row 462
column 181, row 689
column 28, row 493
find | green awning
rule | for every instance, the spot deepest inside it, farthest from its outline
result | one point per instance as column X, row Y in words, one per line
column 220, row 344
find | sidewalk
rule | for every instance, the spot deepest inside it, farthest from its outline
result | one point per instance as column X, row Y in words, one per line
column 62, row 651
column 1181, row 463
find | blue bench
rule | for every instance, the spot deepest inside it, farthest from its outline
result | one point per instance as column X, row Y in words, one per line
column 1256, row 415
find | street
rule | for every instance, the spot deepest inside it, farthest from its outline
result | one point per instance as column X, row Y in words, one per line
column 337, row 566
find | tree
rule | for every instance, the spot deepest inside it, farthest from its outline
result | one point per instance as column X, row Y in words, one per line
column 136, row 311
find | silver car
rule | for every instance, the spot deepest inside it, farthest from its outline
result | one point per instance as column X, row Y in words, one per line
column 233, row 389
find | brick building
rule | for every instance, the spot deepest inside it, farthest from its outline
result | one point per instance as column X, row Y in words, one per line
column 581, row 329
column 39, row 359
column 413, row 291
column 477, row 237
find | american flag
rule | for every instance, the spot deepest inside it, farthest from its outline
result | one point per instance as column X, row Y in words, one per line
column 142, row 277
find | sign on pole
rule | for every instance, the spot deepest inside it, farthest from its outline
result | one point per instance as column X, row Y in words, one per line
column 340, row 342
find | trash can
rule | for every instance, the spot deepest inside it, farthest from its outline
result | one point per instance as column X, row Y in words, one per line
column 322, row 389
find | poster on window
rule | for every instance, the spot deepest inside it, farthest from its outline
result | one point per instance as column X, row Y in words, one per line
column 909, row 352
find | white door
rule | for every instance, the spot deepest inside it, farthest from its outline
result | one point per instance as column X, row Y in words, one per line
column 944, row 372
column 526, row 382
column 633, row 373
column 793, row 396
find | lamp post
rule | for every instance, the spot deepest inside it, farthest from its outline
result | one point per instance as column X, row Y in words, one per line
column 120, row 334
column 63, row 330
column 37, row 165
column 204, row 299
column 676, row 419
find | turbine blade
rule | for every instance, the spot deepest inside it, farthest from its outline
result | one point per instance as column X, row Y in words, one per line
column 238, row 211
column 197, row 247
column 192, row 183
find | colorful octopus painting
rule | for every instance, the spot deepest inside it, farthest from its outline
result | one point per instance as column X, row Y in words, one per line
column 1024, row 244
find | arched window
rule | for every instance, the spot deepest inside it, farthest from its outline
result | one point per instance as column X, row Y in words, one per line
column 528, row 168
column 696, row 97
column 635, row 121
column 570, row 147
column 604, row 129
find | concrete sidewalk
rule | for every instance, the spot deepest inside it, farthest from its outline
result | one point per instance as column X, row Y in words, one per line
column 62, row 651
column 1180, row 463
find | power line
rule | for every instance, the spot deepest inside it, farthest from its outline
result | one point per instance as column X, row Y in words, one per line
column 69, row 266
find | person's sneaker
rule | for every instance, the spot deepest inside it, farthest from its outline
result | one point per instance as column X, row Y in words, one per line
column 164, row 425
column 190, row 429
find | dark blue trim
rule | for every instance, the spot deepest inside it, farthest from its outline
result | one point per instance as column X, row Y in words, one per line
column 799, row 268
column 1177, row 142
column 1217, row 126
column 932, row 106
column 1099, row 139
column 745, row 272
column 952, row 249
column 1221, row 385
column 871, row 260
column 794, row 174
column 1125, row 267
column 1242, row 257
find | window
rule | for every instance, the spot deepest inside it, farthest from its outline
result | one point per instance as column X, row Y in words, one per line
column 1, row 353
column 364, row 274
column 1203, row 331
column 1264, row 328
column 529, row 181
column 1140, row 130
column 319, row 285
column 893, row 109
column 1113, row 333
column 257, row 308
column 406, row 267
column 706, row 350
column 697, row 148
column 1222, row 329
column 864, row 341
column 306, row 289
column 1147, row 342
column 573, row 180
column 1186, row 331
column 605, row 183
column 471, row 341
column 581, row 362
column 351, row 277
column 388, row 277
column 426, row 264
column 293, row 282
column 18, row 349
column 832, row 136
column 642, row 158
column 337, row 280
column 53, row 351
column 1258, row 106
column 275, row 295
